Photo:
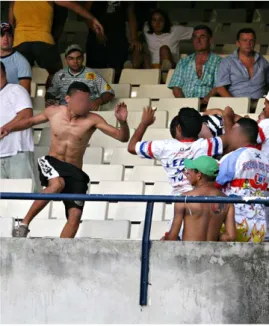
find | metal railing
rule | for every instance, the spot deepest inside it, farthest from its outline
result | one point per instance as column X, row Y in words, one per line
column 150, row 200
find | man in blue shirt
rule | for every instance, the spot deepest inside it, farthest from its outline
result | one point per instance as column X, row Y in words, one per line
column 245, row 73
column 195, row 75
column 18, row 68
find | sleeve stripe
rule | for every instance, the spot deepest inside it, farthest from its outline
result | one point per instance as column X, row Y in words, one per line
column 216, row 146
column 150, row 149
column 209, row 151
column 28, row 77
column 142, row 151
column 262, row 135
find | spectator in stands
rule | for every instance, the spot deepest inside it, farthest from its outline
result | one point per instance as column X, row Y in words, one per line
column 171, row 152
column 33, row 31
column 162, row 40
column 245, row 73
column 101, row 92
column 17, row 67
column 202, row 222
column 61, row 170
column 195, row 75
column 245, row 172
column 112, row 51
column 263, row 139
column 16, row 150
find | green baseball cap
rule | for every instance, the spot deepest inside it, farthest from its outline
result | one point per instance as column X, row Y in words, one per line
column 204, row 164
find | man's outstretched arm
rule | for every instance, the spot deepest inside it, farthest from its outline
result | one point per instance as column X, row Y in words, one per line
column 22, row 124
column 230, row 229
column 148, row 119
column 122, row 134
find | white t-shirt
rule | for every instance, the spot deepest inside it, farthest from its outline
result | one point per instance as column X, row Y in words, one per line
column 13, row 99
column 172, row 39
column 171, row 153
column 263, row 137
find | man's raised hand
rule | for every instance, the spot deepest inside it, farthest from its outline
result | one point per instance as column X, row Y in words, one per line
column 121, row 112
column 148, row 116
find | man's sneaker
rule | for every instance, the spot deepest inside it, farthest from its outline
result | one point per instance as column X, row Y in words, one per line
column 20, row 232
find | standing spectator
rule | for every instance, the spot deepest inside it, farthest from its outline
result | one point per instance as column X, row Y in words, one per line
column 16, row 149
column 33, row 31
column 101, row 92
column 245, row 73
column 195, row 75
column 245, row 172
column 17, row 67
column 264, row 128
column 162, row 39
column 112, row 51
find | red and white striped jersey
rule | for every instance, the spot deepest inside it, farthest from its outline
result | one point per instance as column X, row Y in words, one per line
column 171, row 154
column 263, row 138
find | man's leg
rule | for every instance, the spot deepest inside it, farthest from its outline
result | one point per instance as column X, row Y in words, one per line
column 72, row 224
column 56, row 185
column 166, row 58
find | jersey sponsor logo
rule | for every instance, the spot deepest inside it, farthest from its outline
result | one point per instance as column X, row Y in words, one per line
column 107, row 87
column 259, row 179
column 90, row 75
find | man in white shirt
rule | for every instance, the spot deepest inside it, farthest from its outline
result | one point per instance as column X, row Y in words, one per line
column 16, row 150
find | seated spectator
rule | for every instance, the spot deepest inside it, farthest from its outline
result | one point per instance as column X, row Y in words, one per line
column 101, row 92
column 33, row 31
column 202, row 221
column 16, row 149
column 195, row 75
column 18, row 69
column 162, row 40
column 244, row 172
column 263, row 123
column 245, row 73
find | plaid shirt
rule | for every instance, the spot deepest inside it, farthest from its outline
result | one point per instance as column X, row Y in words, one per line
column 64, row 78
column 185, row 76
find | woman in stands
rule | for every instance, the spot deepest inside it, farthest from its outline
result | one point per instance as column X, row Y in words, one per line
column 162, row 41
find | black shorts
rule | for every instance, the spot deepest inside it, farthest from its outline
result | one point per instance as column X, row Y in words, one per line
column 76, row 181
column 46, row 55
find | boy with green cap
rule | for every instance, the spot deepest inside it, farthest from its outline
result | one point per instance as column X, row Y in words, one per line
column 203, row 221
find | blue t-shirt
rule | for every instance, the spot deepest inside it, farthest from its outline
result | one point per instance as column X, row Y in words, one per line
column 17, row 67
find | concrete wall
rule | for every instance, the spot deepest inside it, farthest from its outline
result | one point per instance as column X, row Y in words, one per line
column 97, row 281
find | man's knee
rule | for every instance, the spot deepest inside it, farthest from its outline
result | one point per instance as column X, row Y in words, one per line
column 56, row 185
column 164, row 49
column 74, row 217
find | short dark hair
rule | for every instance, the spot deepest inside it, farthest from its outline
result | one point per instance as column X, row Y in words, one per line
column 245, row 31
column 167, row 21
column 190, row 122
column 3, row 68
column 174, row 123
column 205, row 28
column 250, row 129
column 78, row 86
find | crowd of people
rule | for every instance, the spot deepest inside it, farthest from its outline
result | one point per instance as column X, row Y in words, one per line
column 213, row 153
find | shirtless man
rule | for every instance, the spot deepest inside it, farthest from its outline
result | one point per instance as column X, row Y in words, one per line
column 203, row 221
column 71, row 129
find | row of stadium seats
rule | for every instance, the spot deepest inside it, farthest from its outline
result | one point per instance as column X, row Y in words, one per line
column 121, row 230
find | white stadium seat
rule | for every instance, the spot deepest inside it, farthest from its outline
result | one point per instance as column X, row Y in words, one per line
column 104, row 229
column 36, row 136
column 16, row 185
column 254, row 116
column 40, row 228
column 93, row 155
column 109, row 116
column 155, row 91
column 260, row 106
column 134, row 119
column 19, row 208
column 40, row 151
column 39, row 75
column 103, row 172
column 158, row 229
column 38, row 103
column 148, row 174
column 261, row 16
column 122, row 156
column 107, row 73
column 133, row 104
column 121, row 90
column 240, row 105
column 229, row 15
column 169, row 76
column 140, row 76
column 177, row 103
column 41, row 125
column 157, row 134
column 45, row 137
column 6, row 227
column 33, row 89
column 99, row 139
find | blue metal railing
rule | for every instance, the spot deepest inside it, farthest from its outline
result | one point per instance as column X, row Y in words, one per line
column 150, row 199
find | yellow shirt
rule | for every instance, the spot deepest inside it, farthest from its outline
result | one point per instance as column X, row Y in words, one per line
column 33, row 21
